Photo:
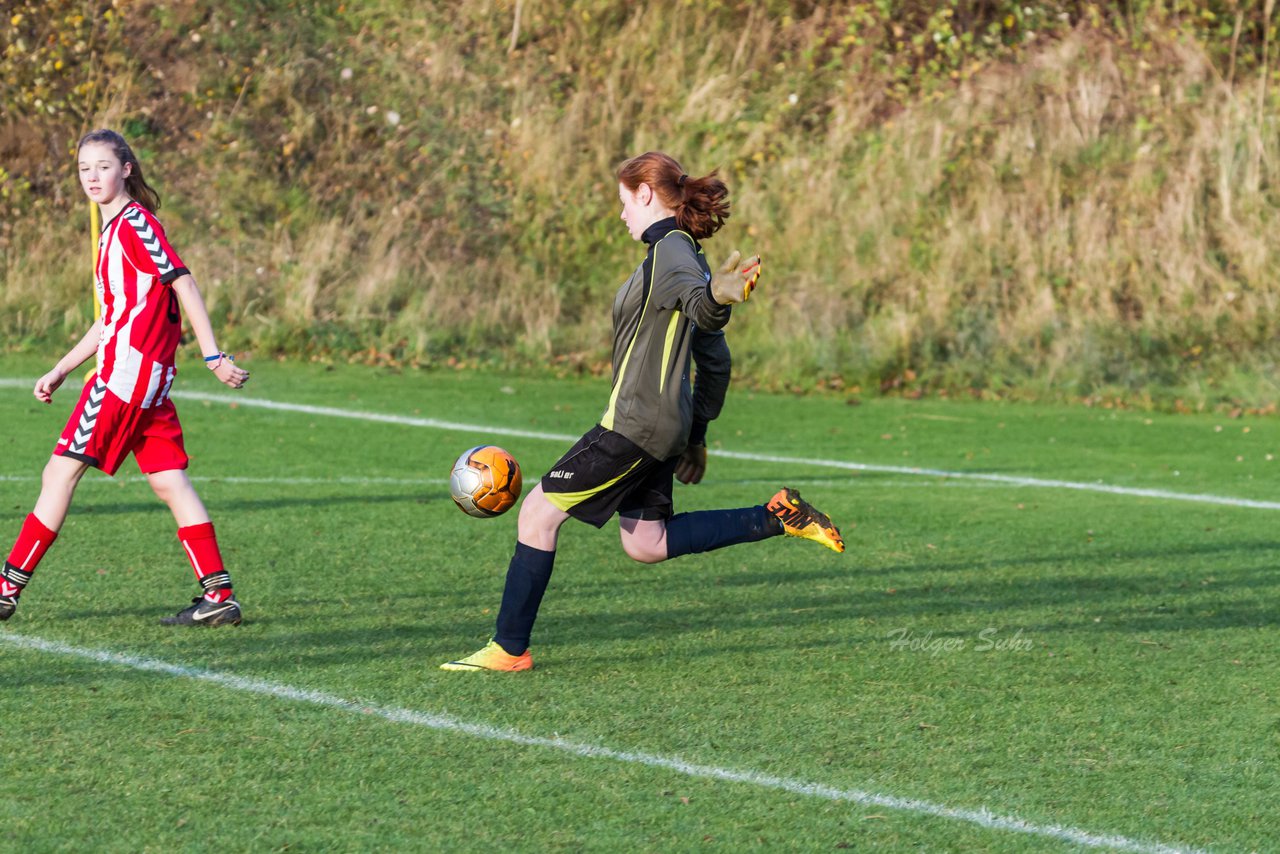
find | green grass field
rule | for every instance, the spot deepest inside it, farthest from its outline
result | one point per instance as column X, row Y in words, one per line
column 995, row 665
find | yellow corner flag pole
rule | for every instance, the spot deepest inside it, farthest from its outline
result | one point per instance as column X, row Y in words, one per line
column 95, row 226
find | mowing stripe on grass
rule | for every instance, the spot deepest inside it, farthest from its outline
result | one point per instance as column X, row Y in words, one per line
column 274, row 481
column 489, row 430
column 215, row 479
column 448, row 723
column 1006, row 480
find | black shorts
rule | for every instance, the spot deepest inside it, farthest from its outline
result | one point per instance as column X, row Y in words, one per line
column 607, row 473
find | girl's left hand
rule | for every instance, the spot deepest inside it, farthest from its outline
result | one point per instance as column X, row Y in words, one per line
column 730, row 285
column 47, row 385
column 228, row 374
column 692, row 465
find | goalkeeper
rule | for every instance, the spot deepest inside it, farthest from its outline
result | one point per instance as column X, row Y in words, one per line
column 654, row 428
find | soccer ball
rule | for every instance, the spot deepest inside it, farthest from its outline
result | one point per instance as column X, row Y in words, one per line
column 485, row 482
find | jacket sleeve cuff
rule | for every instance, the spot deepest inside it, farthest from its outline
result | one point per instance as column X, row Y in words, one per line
column 698, row 433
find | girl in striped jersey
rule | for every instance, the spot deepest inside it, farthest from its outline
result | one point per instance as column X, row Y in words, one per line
column 125, row 408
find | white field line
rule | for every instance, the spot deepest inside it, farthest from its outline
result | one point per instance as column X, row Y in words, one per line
column 448, row 723
column 378, row 417
column 1009, row 480
column 490, row 430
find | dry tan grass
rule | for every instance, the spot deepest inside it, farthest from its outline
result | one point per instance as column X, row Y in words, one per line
column 1054, row 223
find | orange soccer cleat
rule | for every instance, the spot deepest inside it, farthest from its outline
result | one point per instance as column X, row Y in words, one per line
column 801, row 519
column 492, row 657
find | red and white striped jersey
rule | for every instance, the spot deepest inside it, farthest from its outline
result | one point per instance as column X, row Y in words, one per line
column 141, row 323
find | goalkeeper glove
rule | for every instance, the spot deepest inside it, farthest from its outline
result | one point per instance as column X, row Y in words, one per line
column 731, row 285
column 692, row 465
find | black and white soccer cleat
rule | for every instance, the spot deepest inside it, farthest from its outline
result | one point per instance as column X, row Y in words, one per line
column 205, row 613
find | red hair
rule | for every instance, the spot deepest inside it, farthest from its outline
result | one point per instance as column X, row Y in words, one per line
column 701, row 204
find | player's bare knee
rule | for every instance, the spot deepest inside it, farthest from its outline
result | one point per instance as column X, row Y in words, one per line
column 54, row 479
column 61, row 474
column 165, row 487
column 539, row 521
column 527, row 515
column 538, row 512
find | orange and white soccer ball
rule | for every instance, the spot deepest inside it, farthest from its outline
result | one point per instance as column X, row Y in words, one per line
column 485, row 482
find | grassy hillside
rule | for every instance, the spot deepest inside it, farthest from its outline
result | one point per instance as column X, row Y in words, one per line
column 1063, row 199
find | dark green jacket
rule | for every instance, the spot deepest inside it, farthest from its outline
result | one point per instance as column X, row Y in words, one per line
column 662, row 314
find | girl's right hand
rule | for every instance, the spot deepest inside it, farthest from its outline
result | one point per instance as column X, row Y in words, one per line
column 48, row 384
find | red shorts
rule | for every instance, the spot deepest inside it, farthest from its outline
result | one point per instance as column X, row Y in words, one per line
column 103, row 430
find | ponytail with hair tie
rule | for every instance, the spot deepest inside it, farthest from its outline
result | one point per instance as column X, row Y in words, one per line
column 701, row 206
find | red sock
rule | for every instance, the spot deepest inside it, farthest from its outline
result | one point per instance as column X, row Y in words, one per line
column 33, row 541
column 201, row 546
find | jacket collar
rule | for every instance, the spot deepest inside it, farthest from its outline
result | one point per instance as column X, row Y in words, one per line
column 659, row 230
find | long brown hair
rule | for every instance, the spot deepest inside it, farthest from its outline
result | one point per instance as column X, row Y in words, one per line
column 134, row 184
column 701, row 204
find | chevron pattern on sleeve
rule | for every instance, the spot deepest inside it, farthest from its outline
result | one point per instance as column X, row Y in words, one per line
column 88, row 418
column 150, row 240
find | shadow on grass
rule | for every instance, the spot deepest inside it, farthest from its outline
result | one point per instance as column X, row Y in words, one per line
column 781, row 608
column 1079, row 595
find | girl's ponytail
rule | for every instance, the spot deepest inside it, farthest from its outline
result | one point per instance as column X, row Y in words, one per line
column 704, row 205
